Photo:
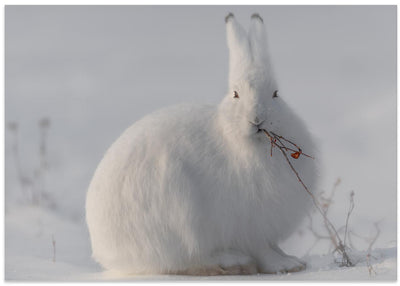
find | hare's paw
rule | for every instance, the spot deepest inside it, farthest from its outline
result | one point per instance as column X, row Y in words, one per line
column 235, row 263
column 276, row 261
column 240, row 269
column 284, row 265
column 226, row 263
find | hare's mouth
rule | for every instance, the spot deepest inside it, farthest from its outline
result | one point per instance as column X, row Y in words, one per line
column 257, row 127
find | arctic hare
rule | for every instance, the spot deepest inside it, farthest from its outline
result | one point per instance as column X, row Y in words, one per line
column 194, row 190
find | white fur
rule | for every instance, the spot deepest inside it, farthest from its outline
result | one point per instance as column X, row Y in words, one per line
column 191, row 187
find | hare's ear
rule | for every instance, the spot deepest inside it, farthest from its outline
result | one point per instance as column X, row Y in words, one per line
column 239, row 48
column 258, row 39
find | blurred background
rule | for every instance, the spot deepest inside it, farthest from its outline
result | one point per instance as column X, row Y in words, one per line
column 78, row 76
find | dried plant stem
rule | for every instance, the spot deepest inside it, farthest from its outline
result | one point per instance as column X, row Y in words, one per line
column 24, row 181
column 348, row 216
column 317, row 235
column 373, row 240
column 53, row 241
column 278, row 137
column 340, row 246
column 33, row 183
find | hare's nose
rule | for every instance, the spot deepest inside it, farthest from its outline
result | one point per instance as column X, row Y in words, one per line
column 257, row 122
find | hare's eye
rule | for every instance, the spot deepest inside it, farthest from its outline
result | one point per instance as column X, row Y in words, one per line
column 235, row 94
column 275, row 94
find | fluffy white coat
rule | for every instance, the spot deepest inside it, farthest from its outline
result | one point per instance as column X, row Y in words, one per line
column 193, row 189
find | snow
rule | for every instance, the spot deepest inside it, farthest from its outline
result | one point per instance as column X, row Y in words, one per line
column 30, row 253
column 93, row 78
column 29, row 234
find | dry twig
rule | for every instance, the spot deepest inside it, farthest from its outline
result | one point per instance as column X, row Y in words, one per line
column 318, row 236
column 33, row 183
column 277, row 140
column 53, row 241
column 348, row 215
column 325, row 203
column 372, row 241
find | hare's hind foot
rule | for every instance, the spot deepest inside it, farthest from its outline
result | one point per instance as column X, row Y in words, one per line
column 288, row 264
column 227, row 263
column 241, row 269
column 276, row 261
column 216, row 270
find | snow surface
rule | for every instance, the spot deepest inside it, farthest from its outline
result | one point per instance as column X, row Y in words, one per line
column 30, row 253
column 95, row 75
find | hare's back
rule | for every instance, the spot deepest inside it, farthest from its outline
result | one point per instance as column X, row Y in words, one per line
column 168, row 134
column 161, row 142
column 172, row 126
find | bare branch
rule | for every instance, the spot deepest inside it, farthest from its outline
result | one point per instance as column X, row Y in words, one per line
column 348, row 215
column 372, row 241
column 339, row 245
column 53, row 241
